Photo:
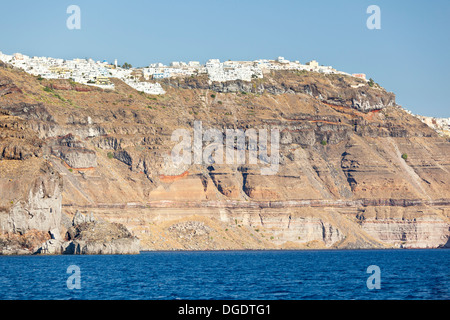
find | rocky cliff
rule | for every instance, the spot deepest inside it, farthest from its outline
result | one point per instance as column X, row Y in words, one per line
column 31, row 193
column 356, row 171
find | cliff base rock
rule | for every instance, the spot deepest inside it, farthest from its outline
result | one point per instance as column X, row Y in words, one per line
column 90, row 236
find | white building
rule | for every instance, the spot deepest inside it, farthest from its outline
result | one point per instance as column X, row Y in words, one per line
column 232, row 70
column 146, row 87
column 282, row 60
column 313, row 64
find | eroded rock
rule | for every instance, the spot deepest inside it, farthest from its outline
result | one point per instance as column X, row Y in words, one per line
column 88, row 235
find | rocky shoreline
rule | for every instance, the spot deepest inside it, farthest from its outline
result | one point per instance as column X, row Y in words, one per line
column 83, row 235
column 86, row 235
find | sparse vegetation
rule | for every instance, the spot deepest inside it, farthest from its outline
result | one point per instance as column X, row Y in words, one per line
column 59, row 97
column 404, row 156
column 371, row 83
column 126, row 65
column 301, row 72
column 213, row 96
column 110, row 155
column 50, row 90
column 323, row 142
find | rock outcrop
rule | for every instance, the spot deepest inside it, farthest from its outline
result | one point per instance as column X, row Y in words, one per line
column 73, row 152
column 7, row 87
column 30, row 204
column 37, row 206
column 90, row 236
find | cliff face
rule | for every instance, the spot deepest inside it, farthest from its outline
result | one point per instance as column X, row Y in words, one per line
column 30, row 187
column 406, row 228
column 31, row 193
column 336, row 90
column 31, row 197
column 342, row 181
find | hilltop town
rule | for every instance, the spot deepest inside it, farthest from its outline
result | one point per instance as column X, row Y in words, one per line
column 99, row 73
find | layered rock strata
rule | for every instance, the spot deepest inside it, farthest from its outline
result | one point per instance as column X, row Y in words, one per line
column 355, row 170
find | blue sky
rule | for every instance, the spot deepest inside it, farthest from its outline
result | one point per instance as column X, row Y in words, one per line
column 408, row 56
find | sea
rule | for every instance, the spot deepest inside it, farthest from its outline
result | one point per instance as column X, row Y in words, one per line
column 230, row 275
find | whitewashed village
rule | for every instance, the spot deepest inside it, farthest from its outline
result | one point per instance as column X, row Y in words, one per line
column 99, row 73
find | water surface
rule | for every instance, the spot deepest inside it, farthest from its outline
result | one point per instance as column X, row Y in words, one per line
column 266, row 275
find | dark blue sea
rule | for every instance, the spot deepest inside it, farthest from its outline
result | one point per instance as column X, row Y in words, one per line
column 229, row 275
